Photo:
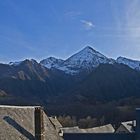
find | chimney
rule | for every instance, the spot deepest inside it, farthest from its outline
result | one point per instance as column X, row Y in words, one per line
column 39, row 127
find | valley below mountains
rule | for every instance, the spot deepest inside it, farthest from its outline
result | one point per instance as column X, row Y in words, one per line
column 86, row 84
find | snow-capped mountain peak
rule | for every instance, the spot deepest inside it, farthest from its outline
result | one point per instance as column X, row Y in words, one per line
column 51, row 62
column 86, row 59
column 86, row 54
column 89, row 50
column 134, row 64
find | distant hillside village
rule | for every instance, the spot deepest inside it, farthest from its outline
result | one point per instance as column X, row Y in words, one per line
column 32, row 123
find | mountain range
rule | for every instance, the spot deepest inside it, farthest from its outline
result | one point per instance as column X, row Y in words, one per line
column 86, row 60
column 86, row 78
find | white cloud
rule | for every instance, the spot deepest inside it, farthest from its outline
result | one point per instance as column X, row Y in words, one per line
column 88, row 24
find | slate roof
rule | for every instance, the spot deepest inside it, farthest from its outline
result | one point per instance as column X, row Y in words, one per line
column 102, row 129
column 17, row 123
column 75, row 129
column 128, row 126
column 56, row 123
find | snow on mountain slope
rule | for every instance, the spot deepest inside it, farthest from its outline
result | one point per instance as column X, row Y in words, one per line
column 15, row 63
column 134, row 64
column 51, row 62
column 86, row 59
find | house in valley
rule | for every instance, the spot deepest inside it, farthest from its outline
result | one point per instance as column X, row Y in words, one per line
column 26, row 123
column 127, row 127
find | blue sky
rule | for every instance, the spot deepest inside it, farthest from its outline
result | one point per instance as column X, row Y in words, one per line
column 41, row 28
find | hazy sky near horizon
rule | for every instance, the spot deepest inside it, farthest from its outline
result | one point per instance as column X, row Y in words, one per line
column 41, row 28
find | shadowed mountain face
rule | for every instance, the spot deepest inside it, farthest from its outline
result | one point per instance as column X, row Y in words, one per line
column 28, row 79
column 26, row 70
column 109, row 82
column 96, row 79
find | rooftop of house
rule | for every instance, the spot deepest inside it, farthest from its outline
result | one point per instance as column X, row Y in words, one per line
column 56, row 123
column 9, row 106
column 129, row 125
column 18, row 122
column 101, row 129
column 75, row 129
